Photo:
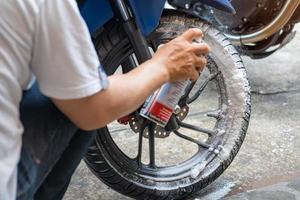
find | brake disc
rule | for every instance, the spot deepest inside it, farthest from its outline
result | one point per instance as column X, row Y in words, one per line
column 159, row 132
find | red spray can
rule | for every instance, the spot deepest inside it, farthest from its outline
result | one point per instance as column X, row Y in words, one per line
column 160, row 106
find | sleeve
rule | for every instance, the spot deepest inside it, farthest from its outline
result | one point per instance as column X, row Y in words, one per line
column 64, row 60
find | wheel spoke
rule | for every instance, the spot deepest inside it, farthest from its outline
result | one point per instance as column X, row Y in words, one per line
column 201, row 88
column 184, row 98
column 212, row 113
column 195, row 128
column 140, row 145
column 199, row 143
column 215, row 114
column 151, row 144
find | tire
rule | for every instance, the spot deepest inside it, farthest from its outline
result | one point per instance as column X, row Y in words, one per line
column 109, row 165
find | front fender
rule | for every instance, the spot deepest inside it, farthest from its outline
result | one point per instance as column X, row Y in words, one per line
column 147, row 13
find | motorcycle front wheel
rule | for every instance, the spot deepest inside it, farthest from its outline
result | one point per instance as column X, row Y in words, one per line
column 212, row 125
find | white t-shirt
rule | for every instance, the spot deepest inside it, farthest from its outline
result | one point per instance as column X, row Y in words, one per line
column 47, row 39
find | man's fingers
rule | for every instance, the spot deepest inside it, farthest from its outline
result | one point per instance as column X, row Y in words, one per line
column 200, row 63
column 191, row 34
column 194, row 75
column 200, row 49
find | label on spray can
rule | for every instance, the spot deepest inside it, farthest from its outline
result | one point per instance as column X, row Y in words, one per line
column 160, row 106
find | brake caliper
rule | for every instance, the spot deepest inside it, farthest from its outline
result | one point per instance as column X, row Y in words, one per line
column 125, row 120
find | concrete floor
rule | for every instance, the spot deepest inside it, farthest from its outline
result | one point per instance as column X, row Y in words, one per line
column 270, row 153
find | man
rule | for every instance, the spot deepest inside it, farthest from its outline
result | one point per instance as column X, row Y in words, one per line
column 47, row 39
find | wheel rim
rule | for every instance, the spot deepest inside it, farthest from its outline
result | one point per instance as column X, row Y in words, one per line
column 120, row 161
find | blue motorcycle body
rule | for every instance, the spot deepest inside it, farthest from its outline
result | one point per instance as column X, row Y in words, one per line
column 147, row 12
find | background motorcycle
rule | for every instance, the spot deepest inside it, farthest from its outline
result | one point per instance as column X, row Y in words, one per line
column 257, row 27
column 126, row 33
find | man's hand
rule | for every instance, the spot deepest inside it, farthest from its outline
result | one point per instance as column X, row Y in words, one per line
column 182, row 57
column 179, row 59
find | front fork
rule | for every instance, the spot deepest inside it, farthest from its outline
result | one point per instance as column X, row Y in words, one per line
column 141, row 50
column 137, row 41
column 142, row 53
column 136, row 38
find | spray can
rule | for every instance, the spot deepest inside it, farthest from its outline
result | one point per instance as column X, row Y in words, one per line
column 159, row 107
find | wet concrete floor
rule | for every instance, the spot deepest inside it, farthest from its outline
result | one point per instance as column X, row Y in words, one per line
column 270, row 153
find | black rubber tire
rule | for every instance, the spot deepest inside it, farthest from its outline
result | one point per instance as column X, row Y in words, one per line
column 111, row 42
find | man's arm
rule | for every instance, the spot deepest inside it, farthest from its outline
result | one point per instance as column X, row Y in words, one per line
column 177, row 60
column 124, row 95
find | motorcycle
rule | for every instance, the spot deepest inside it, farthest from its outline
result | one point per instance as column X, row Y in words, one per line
column 208, row 125
column 257, row 28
